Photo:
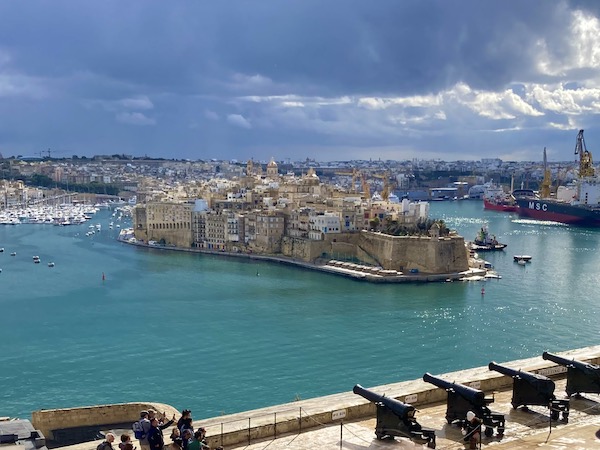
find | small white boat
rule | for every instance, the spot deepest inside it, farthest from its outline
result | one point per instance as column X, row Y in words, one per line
column 525, row 258
column 36, row 259
column 50, row 264
column 13, row 254
column 1, row 249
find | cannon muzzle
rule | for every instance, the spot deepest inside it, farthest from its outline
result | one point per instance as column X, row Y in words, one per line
column 473, row 395
column 402, row 410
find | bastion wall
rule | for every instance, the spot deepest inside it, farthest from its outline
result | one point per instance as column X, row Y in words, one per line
column 301, row 415
column 402, row 253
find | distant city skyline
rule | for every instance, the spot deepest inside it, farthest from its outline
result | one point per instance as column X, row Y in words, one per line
column 331, row 81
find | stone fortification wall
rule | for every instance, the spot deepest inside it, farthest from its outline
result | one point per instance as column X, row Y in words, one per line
column 293, row 417
column 343, row 244
column 428, row 255
column 48, row 420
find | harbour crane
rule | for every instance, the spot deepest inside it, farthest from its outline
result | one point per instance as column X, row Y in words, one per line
column 586, row 167
column 547, row 181
column 388, row 185
column 354, row 174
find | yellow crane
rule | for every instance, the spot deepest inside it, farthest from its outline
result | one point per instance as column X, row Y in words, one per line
column 547, row 181
column 586, row 167
column 365, row 186
column 354, row 174
column 388, row 184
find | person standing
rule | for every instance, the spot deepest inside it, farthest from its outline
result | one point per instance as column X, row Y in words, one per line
column 155, row 436
column 145, row 425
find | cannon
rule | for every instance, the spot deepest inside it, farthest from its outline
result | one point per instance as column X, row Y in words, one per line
column 462, row 399
column 395, row 418
column 581, row 376
column 533, row 389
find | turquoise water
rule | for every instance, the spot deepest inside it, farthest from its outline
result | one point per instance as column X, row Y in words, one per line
column 207, row 333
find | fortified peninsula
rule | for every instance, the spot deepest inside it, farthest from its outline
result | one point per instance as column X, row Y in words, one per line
column 300, row 219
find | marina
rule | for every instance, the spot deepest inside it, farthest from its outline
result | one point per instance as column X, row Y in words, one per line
column 317, row 322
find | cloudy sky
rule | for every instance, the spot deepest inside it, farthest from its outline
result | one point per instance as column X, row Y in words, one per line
column 324, row 79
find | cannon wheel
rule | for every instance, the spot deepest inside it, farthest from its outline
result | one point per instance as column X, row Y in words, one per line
column 379, row 436
column 554, row 415
column 489, row 431
column 431, row 444
column 565, row 417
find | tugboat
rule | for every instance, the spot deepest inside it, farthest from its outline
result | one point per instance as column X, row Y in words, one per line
column 484, row 242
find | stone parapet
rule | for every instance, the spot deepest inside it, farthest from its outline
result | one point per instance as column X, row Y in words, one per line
column 266, row 423
column 101, row 416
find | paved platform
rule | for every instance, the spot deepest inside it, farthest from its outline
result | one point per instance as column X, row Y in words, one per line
column 524, row 430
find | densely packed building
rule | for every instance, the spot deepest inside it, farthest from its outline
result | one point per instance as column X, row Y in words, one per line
column 255, row 212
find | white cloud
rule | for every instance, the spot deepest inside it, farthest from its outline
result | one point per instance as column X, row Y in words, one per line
column 582, row 47
column 239, row 121
column 140, row 102
column 566, row 101
column 135, row 118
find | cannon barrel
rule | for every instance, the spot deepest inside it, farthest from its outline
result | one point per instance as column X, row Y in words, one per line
column 402, row 410
column 530, row 388
column 527, row 376
column 472, row 394
column 581, row 376
column 569, row 362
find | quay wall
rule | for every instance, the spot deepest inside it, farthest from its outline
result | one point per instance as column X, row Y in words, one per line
column 269, row 422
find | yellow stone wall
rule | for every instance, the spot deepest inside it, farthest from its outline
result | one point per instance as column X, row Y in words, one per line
column 47, row 420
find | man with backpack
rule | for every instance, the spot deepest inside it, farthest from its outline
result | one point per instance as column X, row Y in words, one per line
column 141, row 429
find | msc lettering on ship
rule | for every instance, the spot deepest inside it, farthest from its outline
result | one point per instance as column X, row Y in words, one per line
column 538, row 206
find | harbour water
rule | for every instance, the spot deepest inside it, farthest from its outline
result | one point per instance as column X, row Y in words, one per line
column 222, row 335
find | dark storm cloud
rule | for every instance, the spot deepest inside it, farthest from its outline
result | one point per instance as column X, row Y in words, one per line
column 337, row 46
column 198, row 79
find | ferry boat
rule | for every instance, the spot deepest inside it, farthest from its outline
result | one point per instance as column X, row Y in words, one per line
column 577, row 206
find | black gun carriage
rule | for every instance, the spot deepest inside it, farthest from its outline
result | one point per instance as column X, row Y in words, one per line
column 395, row 418
column 462, row 399
column 532, row 389
column 581, row 376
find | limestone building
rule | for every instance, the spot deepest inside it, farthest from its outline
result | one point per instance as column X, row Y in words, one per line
column 164, row 222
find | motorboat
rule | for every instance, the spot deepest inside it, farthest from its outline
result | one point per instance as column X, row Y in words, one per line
column 13, row 254
column 50, row 264
column 526, row 258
